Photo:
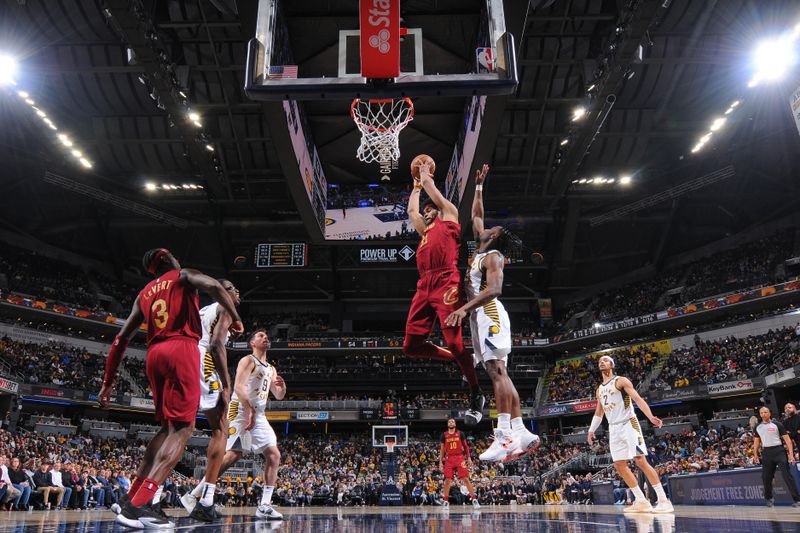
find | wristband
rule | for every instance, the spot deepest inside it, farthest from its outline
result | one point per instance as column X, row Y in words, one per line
column 114, row 358
column 479, row 187
column 596, row 421
column 417, row 186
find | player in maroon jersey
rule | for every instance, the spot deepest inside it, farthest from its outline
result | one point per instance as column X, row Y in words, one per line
column 169, row 306
column 439, row 286
column 454, row 458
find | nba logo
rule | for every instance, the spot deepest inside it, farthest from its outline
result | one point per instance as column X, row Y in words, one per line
column 485, row 60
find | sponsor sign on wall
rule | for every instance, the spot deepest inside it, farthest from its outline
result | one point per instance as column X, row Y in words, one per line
column 731, row 387
column 311, row 415
column 6, row 385
column 737, row 487
column 386, row 254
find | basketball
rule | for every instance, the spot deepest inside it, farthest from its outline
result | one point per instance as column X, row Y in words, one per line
column 418, row 162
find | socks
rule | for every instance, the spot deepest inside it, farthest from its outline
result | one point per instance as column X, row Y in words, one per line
column 137, row 483
column 208, row 494
column 197, row 492
column 662, row 496
column 504, row 422
column 145, row 493
column 637, row 493
column 517, row 424
column 266, row 497
column 157, row 497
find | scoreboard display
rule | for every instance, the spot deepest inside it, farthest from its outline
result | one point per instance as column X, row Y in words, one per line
column 275, row 255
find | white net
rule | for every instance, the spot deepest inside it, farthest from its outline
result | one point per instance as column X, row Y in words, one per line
column 380, row 123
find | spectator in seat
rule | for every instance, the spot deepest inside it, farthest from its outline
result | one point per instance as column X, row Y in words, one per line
column 20, row 482
column 64, row 482
column 95, row 488
column 45, row 486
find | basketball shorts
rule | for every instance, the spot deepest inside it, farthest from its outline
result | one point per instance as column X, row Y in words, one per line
column 261, row 437
column 626, row 440
column 210, row 386
column 172, row 367
column 491, row 336
column 438, row 294
column 456, row 464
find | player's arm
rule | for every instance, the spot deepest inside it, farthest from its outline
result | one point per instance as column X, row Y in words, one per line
column 218, row 352
column 597, row 419
column 493, row 263
column 624, row 384
column 117, row 352
column 756, row 448
column 243, row 371
column 413, row 208
column 442, row 453
column 213, row 288
column 278, row 387
column 477, row 201
column 448, row 210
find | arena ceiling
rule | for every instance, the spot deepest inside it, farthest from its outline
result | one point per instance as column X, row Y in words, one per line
column 695, row 61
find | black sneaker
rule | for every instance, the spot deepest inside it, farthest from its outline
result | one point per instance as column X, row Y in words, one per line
column 770, row 503
column 117, row 507
column 474, row 414
column 142, row 518
column 204, row 513
column 156, row 508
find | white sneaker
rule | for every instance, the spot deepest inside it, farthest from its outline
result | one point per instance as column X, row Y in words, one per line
column 639, row 506
column 189, row 501
column 524, row 443
column 476, row 504
column 267, row 512
column 116, row 509
column 663, row 507
column 503, row 445
column 446, row 505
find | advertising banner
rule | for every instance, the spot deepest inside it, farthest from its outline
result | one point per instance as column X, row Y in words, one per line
column 143, row 403
column 731, row 387
column 6, row 385
column 386, row 254
column 554, row 410
column 584, row 406
column 732, row 487
column 369, row 413
column 311, row 415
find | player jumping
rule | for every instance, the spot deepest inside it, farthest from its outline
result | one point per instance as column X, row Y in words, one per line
column 439, row 288
column 491, row 332
column 454, row 458
column 169, row 307
column 625, row 438
column 215, row 387
column 249, row 430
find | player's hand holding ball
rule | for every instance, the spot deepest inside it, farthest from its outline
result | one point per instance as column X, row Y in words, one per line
column 422, row 167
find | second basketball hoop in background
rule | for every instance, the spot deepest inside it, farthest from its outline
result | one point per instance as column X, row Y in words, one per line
column 380, row 123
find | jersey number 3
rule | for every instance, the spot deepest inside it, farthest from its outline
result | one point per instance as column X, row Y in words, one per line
column 159, row 309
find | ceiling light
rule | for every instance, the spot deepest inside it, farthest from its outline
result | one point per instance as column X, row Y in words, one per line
column 563, row 142
column 194, row 116
column 29, row 101
column 41, row 113
column 729, row 111
column 182, row 93
column 599, row 179
column 198, row 124
column 772, row 58
column 625, row 180
column 209, row 148
column 705, row 138
column 597, row 325
column 77, row 153
column 735, row 104
column 165, row 187
column 717, row 124
column 8, row 67
column 574, row 181
column 578, row 113
column 150, row 186
column 85, row 162
column 611, row 180
column 193, row 186
column 23, row 94
column 697, row 147
column 591, row 87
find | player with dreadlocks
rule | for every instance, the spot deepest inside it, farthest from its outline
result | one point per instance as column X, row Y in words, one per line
column 491, row 331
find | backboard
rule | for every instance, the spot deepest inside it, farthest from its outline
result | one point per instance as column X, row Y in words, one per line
column 380, row 434
column 409, row 52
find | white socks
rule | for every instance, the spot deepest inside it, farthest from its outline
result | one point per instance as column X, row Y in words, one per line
column 504, row 422
column 208, row 494
column 266, row 497
column 157, row 495
column 198, row 490
column 517, row 424
column 662, row 496
column 637, row 492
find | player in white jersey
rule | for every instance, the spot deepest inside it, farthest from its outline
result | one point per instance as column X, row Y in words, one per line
column 491, row 332
column 249, row 430
column 215, row 393
column 614, row 397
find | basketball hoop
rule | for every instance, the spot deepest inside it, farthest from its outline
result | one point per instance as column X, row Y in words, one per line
column 390, row 444
column 380, row 123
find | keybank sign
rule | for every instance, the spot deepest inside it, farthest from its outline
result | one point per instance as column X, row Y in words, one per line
column 386, row 255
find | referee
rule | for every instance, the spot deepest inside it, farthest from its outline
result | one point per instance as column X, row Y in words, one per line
column 771, row 433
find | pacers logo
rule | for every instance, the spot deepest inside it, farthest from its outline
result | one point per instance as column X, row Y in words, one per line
column 450, row 296
column 232, row 431
column 494, row 330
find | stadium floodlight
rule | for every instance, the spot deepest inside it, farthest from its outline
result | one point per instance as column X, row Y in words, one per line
column 197, row 123
column 8, row 68
column 29, row 101
column 717, row 123
column 578, row 113
column 773, row 58
column 697, row 147
column 150, row 186
column 705, row 138
column 23, row 94
column 735, row 104
column 564, row 141
column 85, row 162
column 597, row 325
column 210, row 148
column 625, row 180
column 598, row 179
column 41, row 113
column 582, row 181
column 194, row 116
column 77, row 154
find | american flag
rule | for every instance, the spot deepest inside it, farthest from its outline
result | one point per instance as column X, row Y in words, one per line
column 283, row 71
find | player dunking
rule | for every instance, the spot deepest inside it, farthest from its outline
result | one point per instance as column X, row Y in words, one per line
column 249, row 429
column 439, row 287
column 491, row 332
column 215, row 387
column 169, row 307
column 625, row 438
column 454, row 458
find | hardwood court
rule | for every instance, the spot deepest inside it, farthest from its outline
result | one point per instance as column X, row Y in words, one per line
column 516, row 519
